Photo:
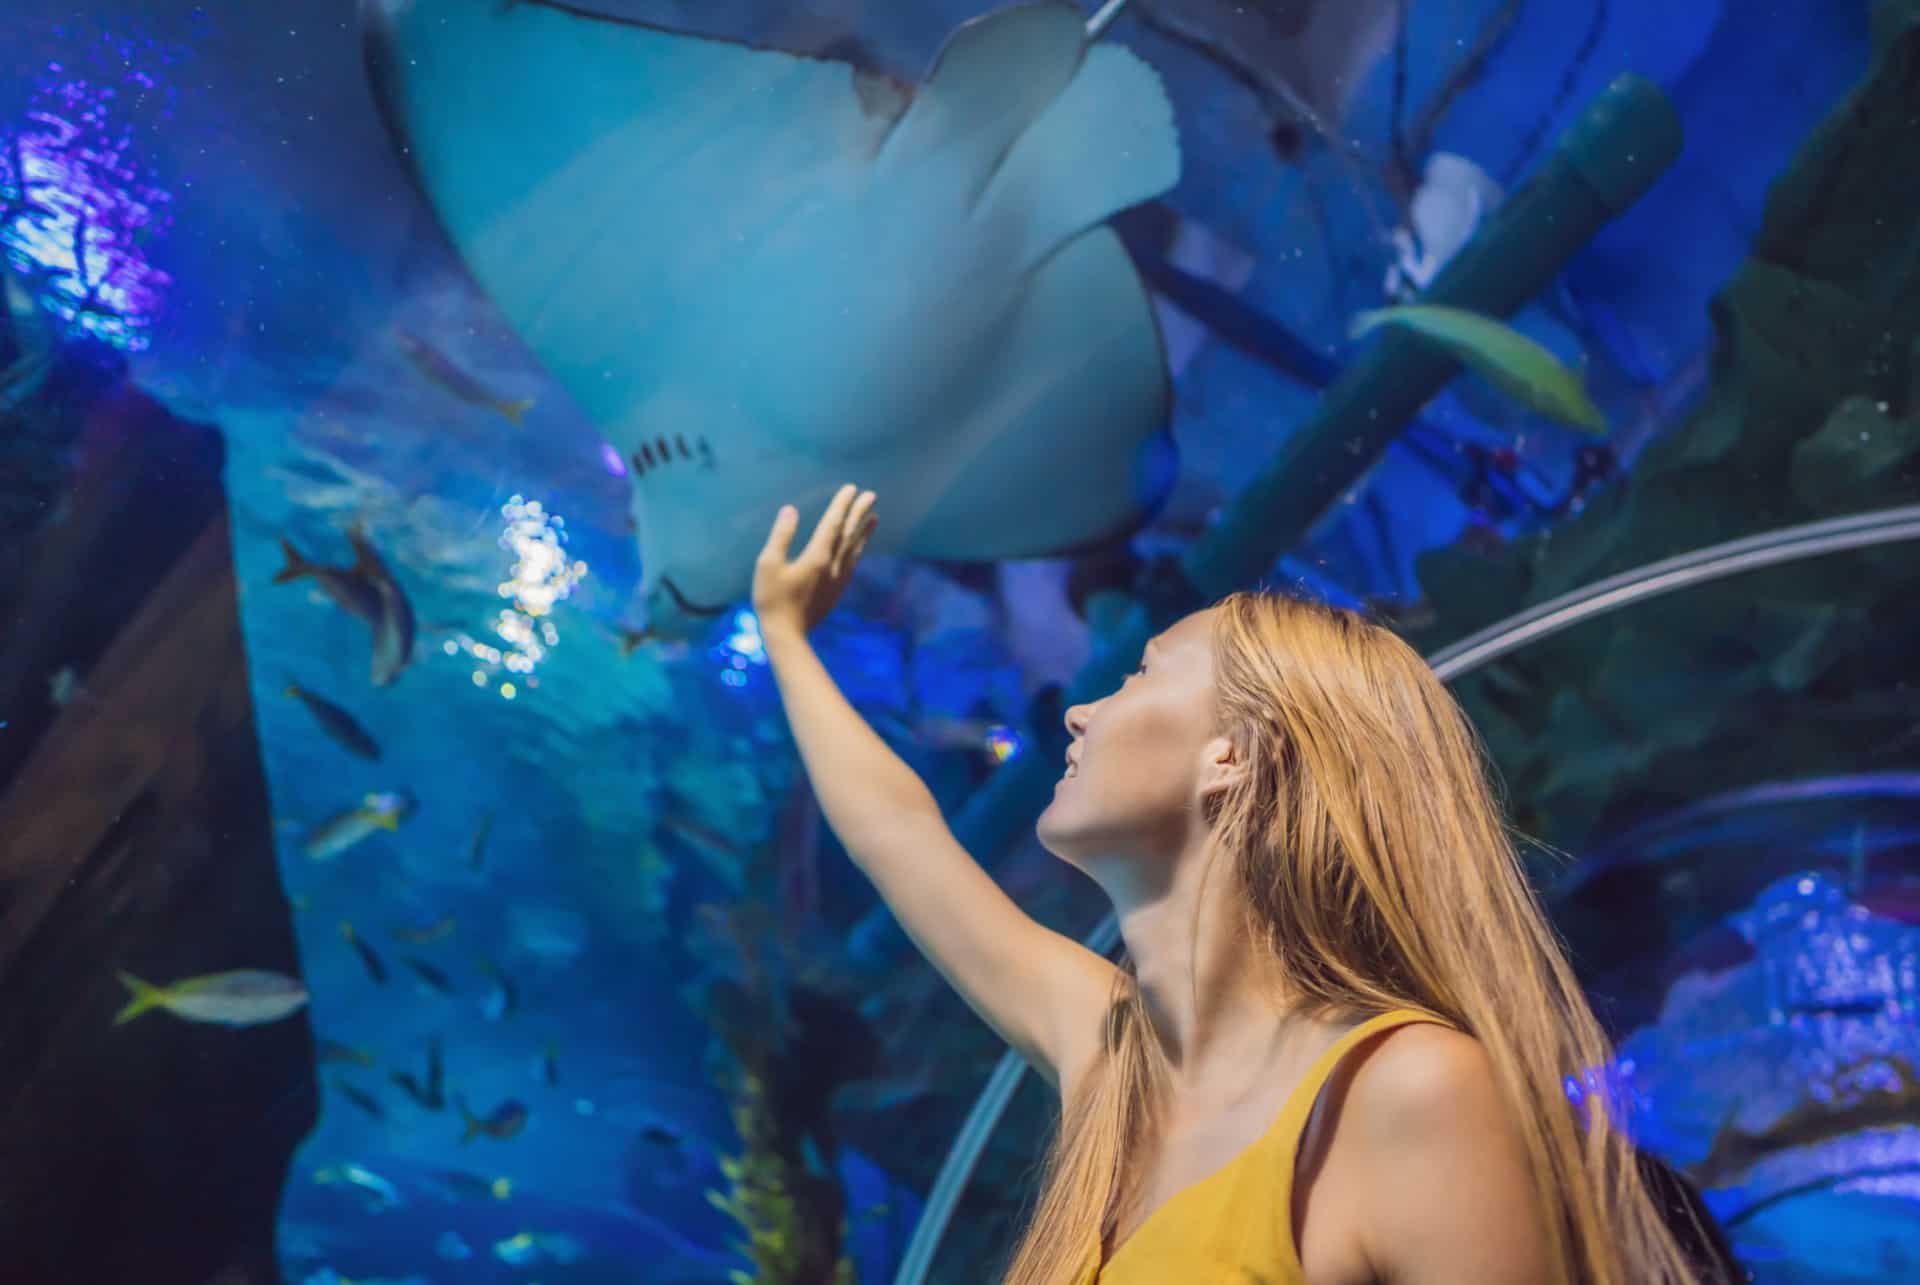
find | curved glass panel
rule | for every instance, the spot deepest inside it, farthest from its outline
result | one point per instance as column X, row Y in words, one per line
column 409, row 871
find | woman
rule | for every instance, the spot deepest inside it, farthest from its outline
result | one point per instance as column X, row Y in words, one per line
column 1337, row 1048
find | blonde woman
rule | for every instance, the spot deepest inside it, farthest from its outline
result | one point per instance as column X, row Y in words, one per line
column 1338, row 1047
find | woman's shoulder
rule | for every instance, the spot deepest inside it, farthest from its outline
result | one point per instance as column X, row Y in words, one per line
column 1417, row 1075
column 1446, row 1171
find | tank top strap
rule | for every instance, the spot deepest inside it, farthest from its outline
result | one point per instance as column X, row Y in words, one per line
column 1300, row 1103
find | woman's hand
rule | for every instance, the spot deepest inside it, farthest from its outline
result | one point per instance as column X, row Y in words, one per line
column 792, row 597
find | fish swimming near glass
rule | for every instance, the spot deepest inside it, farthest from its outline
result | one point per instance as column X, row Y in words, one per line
column 761, row 273
column 1499, row 354
column 504, row 1121
column 362, row 1099
column 343, row 728
column 365, row 589
column 434, row 978
column 429, row 1090
column 477, row 848
column 384, row 1194
column 383, row 810
column 457, row 1184
column 437, row 367
column 369, row 957
column 243, row 997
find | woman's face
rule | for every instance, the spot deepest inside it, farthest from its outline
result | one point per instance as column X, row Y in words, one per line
column 1141, row 755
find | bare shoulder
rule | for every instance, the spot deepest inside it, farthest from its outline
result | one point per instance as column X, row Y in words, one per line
column 1450, row 1195
column 1421, row 1079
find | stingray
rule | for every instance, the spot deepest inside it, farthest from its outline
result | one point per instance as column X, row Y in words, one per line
column 763, row 275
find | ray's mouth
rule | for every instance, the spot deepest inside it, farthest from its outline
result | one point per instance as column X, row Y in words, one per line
column 680, row 600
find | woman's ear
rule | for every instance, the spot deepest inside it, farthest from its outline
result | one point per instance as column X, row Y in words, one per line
column 1225, row 769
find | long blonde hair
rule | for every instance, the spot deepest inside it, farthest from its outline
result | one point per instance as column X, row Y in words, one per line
column 1376, row 871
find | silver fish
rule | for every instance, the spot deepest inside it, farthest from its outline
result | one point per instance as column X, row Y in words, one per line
column 244, row 997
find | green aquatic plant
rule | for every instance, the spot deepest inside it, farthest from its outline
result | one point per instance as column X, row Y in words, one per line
column 775, row 1200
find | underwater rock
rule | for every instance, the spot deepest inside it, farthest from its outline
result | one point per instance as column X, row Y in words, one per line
column 1858, row 447
column 134, row 834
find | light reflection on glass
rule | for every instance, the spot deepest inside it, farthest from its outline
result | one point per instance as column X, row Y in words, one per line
column 541, row 577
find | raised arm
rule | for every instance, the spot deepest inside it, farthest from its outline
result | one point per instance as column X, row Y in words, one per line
column 1043, row 992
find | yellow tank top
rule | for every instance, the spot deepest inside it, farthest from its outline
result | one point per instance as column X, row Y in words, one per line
column 1236, row 1224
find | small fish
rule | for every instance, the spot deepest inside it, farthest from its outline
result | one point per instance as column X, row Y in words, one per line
column 700, row 836
column 477, row 850
column 349, row 587
column 426, row 934
column 376, row 970
column 502, row 997
column 531, row 1247
column 329, row 1052
column 430, row 1093
column 368, row 591
column 433, row 363
column 427, row 973
column 385, row 1193
column 343, row 727
column 394, row 629
column 342, row 830
column 505, row 1121
column 549, row 1068
column 244, row 997
column 1498, row 353
column 362, row 1099
column 662, row 1139
column 456, row 1184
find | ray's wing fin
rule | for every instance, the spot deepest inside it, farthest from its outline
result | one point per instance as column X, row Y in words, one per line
column 551, row 143
column 1074, row 440
column 993, row 78
column 1111, row 130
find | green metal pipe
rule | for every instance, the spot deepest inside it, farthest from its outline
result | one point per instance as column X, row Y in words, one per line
column 1606, row 162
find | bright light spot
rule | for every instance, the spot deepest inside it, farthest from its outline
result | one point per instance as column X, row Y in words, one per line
column 1003, row 742
column 611, row 458
column 479, row 678
column 743, row 646
column 451, row 647
column 540, row 578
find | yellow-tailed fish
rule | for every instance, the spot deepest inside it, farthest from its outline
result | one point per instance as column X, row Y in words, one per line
column 381, row 811
column 1499, row 354
column 244, row 997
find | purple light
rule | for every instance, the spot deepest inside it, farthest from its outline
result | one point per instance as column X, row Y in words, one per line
column 76, row 210
column 611, row 458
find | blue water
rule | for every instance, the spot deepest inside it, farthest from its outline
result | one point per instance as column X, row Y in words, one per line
column 203, row 204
